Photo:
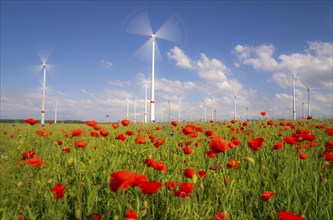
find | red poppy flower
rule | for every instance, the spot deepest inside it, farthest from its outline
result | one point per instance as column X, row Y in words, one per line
column 28, row 154
column 267, row 195
column 291, row 140
column 80, row 144
column 278, row 146
column 130, row 214
column 188, row 172
column 302, row 156
column 129, row 133
column 149, row 187
column 289, row 216
column 77, row 132
column 188, row 150
column 104, row 133
column 158, row 142
column 235, row 141
column 255, row 144
column 209, row 133
column 91, row 123
column 270, row 122
column 125, row 179
column 263, row 113
column 329, row 131
column 211, row 154
column 221, row 216
column 217, row 144
column 115, row 125
column 329, row 157
column 41, row 132
column 172, row 185
column 174, row 123
column 202, row 173
column 97, row 127
column 184, row 190
column 140, row 140
column 21, row 217
column 187, row 130
column 67, row 150
column 59, row 191
column 59, row 142
column 31, row 121
column 94, row 134
column 233, row 164
column 97, row 217
column 186, row 187
column 121, row 137
column 125, row 122
column 35, row 161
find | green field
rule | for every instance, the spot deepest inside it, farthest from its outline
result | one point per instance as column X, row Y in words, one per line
column 299, row 175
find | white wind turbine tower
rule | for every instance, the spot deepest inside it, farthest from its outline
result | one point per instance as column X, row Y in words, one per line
column 235, row 99
column 146, row 101
column 179, row 110
column 42, row 120
column 205, row 110
column 212, row 99
column 127, row 108
column 170, row 30
column 55, row 112
column 294, row 97
column 308, row 89
column 134, row 117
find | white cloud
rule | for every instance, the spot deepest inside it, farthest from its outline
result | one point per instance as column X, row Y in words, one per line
column 313, row 66
column 181, row 59
column 106, row 64
column 119, row 83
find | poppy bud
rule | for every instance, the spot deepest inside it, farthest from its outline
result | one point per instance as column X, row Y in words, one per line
column 250, row 159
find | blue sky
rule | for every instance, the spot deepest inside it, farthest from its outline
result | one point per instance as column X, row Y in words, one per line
column 224, row 48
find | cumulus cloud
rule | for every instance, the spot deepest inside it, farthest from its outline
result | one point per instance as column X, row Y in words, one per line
column 181, row 59
column 212, row 72
column 314, row 65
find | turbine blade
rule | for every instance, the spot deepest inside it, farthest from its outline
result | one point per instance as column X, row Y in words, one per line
column 144, row 53
column 171, row 30
column 44, row 51
column 138, row 23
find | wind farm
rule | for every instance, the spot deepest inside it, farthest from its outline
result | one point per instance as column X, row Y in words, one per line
column 166, row 110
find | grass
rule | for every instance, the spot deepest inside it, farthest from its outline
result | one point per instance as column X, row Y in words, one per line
column 298, row 185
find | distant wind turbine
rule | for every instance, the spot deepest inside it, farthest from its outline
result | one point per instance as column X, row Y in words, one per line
column 146, row 101
column 55, row 112
column 308, row 89
column 294, row 97
column 235, row 99
column 127, row 108
column 42, row 120
column 212, row 99
column 170, row 30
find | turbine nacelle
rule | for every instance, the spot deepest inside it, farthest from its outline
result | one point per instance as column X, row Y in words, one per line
column 153, row 37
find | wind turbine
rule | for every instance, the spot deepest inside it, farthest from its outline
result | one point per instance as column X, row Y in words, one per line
column 134, row 117
column 42, row 120
column 127, row 108
column 170, row 31
column 308, row 89
column 294, row 97
column 205, row 110
column 179, row 110
column 55, row 112
column 212, row 99
column 235, row 99
column 146, row 100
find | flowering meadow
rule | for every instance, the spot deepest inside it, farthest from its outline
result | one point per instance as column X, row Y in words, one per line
column 265, row 169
